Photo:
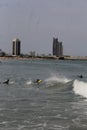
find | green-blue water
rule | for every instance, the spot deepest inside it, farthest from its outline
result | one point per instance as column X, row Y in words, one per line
column 58, row 103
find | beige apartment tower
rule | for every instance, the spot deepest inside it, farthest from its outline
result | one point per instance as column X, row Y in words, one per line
column 16, row 47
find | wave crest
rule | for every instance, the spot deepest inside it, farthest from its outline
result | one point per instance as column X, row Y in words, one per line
column 58, row 79
column 80, row 88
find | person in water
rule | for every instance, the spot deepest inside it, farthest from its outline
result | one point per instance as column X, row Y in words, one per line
column 6, row 82
column 80, row 76
column 38, row 81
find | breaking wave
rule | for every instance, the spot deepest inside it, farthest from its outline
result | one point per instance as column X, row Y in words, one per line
column 51, row 81
column 80, row 88
column 57, row 79
column 62, row 82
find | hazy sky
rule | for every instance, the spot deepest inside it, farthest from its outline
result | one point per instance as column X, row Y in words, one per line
column 36, row 22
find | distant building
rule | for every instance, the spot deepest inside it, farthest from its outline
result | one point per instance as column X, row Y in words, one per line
column 57, row 47
column 16, row 47
column 2, row 53
column 32, row 53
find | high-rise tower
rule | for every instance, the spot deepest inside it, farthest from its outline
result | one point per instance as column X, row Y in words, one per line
column 16, row 47
column 57, row 47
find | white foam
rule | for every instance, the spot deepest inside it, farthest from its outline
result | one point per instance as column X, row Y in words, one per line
column 58, row 79
column 80, row 88
column 29, row 82
column 11, row 82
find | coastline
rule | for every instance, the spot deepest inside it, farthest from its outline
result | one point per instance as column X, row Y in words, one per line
column 43, row 58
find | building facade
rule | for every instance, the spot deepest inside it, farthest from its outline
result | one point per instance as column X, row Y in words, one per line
column 57, row 47
column 16, row 47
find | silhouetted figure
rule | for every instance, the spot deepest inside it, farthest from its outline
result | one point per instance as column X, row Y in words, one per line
column 80, row 76
column 6, row 82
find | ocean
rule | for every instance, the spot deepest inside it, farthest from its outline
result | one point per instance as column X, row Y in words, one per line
column 59, row 102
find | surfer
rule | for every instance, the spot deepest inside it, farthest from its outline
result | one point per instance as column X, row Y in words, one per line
column 80, row 76
column 38, row 81
column 6, row 82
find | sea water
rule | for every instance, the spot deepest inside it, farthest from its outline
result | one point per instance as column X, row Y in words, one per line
column 58, row 103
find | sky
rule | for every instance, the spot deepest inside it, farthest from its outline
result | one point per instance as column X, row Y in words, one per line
column 36, row 22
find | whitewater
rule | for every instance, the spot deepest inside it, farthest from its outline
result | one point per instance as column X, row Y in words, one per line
column 59, row 102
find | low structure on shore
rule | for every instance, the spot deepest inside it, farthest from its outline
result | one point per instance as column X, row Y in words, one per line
column 43, row 57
